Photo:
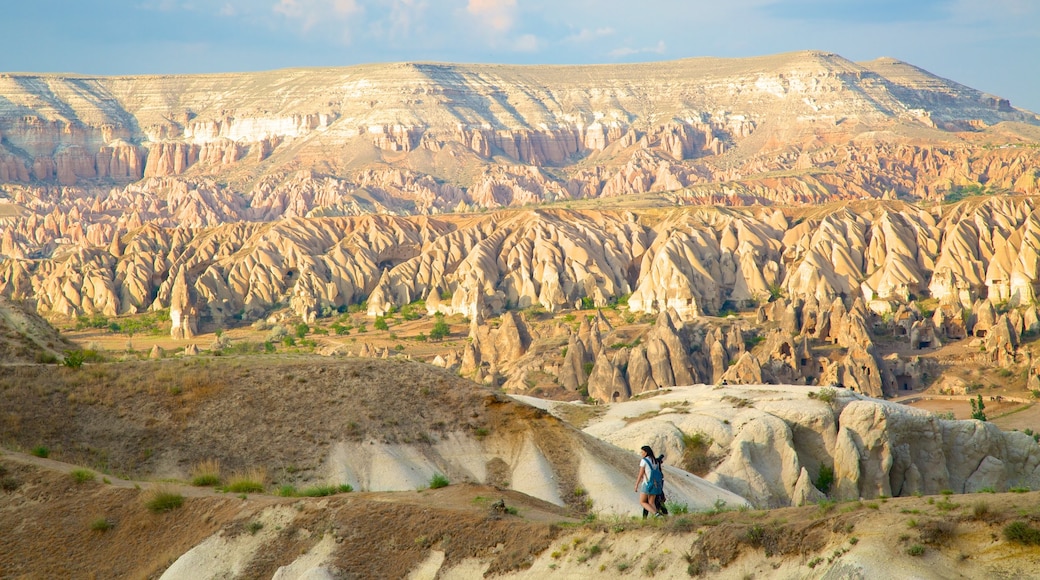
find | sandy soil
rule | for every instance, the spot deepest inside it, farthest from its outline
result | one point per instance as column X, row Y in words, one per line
column 456, row 532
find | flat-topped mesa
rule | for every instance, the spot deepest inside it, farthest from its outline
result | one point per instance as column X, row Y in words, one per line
column 66, row 128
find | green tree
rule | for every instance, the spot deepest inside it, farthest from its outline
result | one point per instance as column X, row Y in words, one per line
column 978, row 409
column 380, row 323
column 302, row 329
column 440, row 328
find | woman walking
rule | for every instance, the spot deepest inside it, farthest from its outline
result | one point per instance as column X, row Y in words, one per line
column 652, row 480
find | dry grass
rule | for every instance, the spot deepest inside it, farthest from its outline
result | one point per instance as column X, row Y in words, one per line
column 249, row 481
column 206, row 473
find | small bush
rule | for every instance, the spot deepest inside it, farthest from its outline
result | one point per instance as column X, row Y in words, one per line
column 915, row 550
column 249, row 482
column 287, row 491
column 980, row 510
column 938, row 532
column 439, row 481
column 696, row 458
column 40, row 451
column 345, row 488
column 827, row 395
column 1022, row 533
column 254, row 527
column 676, row 508
column 82, row 475
column 163, row 500
column 101, row 525
column 319, row 491
column 74, row 359
column 206, row 473
column 825, row 479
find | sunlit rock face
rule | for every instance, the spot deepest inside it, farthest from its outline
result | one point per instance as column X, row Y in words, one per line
column 795, row 128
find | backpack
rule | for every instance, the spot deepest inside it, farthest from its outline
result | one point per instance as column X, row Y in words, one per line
column 654, row 476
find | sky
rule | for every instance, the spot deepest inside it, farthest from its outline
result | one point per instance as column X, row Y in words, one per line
column 990, row 45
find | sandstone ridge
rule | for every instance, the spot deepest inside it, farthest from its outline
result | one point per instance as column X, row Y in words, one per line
column 419, row 138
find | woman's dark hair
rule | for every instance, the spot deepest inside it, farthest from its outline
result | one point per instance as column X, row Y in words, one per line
column 650, row 453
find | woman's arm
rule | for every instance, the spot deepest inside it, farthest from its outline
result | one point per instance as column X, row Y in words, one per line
column 642, row 474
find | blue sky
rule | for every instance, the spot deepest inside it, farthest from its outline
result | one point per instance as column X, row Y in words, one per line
column 991, row 45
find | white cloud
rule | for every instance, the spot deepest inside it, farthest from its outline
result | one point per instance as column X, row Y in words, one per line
column 659, row 48
column 499, row 15
column 527, row 43
column 313, row 12
column 587, row 35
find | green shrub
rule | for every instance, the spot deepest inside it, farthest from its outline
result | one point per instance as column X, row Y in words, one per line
column 319, row 491
column 1022, row 533
column 380, row 323
column 978, row 409
column 827, row 395
column 206, row 473
column 825, row 478
column 82, row 475
column 287, row 491
column 249, row 482
column 440, row 329
column 163, row 500
column 438, row 481
column 915, row 550
column 695, row 457
column 345, row 488
column 40, row 451
column 254, row 527
column 101, row 525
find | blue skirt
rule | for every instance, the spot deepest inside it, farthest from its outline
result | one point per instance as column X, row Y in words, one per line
column 651, row 487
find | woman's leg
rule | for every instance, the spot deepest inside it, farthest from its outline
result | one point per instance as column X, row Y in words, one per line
column 647, row 501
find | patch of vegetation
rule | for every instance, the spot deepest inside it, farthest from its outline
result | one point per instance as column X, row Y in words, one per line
column 738, row 402
column 938, row 532
column 319, row 491
column 163, row 500
column 101, row 525
column 824, row 479
column 1020, row 532
column 250, row 482
column 82, row 475
column 826, row 394
column 695, row 457
column 254, row 527
column 961, row 192
column 438, row 481
column 440, row 328
column 978, row 409
column 287, row 491
column 206, row 473
column 40, row 451
column 750, row 342
column 915, row 550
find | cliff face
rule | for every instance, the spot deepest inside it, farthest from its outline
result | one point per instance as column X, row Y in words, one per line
column 690, row 261
column 839, row 129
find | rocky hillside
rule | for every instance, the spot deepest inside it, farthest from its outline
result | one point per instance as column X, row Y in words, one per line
column 817, row 287
column 372, row 424
column 92, row 158
column 66, row 521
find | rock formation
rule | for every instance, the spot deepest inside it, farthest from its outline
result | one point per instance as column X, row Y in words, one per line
column 770, row 443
